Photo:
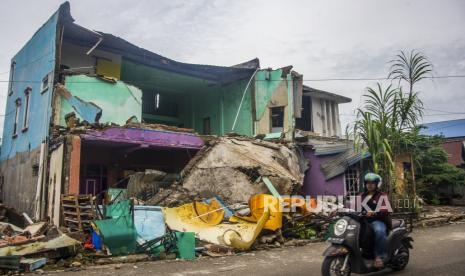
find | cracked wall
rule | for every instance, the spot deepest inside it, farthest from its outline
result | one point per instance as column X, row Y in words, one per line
column 118, row 101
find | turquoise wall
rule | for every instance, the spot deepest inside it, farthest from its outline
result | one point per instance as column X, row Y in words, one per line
column 197, row 98
column 265, row 88
column 232, row 95
column 33, row 62
column 119, row 101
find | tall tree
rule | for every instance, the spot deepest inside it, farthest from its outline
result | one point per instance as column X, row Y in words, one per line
column 388, row 118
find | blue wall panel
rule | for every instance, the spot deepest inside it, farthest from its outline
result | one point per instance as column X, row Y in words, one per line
column 33, row 62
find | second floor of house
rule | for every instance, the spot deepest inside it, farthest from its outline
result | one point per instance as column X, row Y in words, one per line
column 68, row 71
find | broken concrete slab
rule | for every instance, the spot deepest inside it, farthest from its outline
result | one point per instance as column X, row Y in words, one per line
column 230, row 166
column 36, row 229
column 39, row 246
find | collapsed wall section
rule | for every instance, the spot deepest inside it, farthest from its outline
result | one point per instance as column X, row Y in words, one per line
column 231, row 168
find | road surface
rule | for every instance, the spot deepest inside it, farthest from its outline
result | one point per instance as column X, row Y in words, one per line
column 437, row 251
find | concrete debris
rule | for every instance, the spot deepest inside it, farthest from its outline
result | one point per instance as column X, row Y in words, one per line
column 36, row 229
column 10, row 215
column 230, row 167
column 32, row 264
column 439, row 215
column 144, row 185
column 214, row 250
column 30, row 248
column 172, row 196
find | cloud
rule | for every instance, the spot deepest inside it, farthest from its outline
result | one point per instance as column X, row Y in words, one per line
column 322, row 39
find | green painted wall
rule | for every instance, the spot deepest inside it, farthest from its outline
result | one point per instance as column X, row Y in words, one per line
column 264, row 89
column 207, row 104
column 197, row 98
column 232, row 95
column 118, row 101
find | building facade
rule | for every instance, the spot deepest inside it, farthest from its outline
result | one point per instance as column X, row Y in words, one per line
column 86, row 108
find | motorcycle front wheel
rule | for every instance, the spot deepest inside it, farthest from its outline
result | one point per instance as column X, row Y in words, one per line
column 401, row 258
column 333, row 266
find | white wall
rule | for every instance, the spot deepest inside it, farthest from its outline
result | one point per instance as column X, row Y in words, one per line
column 325, row 116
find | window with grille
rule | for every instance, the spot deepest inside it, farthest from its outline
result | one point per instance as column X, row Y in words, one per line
column 351, row 180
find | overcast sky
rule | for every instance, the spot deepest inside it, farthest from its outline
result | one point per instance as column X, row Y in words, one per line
column 322, row 39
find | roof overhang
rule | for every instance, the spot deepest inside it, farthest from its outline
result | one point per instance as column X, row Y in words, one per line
column 79, row 35
column 143, row 138
column 312, row 92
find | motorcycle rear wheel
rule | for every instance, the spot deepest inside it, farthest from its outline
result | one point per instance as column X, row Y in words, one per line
column 332, row 265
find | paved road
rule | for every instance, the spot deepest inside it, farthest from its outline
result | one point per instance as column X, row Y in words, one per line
column 437, row 251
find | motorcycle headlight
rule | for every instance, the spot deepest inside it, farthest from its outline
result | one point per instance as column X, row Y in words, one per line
column 340, row 227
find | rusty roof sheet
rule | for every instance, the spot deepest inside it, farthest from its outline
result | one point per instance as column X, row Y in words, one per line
column 338, row 165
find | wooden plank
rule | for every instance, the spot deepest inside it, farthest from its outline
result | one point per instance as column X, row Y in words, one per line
column 55, row 182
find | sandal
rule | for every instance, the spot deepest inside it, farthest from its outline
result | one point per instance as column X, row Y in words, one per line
column 379, row 262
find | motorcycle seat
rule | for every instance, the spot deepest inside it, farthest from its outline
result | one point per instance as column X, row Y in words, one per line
column 396, row 223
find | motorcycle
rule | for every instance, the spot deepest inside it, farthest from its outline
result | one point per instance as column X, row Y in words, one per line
column 352, row 247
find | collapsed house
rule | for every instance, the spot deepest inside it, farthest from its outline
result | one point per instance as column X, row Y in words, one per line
column 86, row 110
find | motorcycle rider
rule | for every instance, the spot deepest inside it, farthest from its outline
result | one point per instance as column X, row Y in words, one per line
column 379, row 218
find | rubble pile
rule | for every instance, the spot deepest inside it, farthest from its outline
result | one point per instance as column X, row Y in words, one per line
column 233, row 168
column 30, row 248
column 438, row 215
column 217, row 205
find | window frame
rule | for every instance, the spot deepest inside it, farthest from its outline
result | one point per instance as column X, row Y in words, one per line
column 44, row 88
column 282, row 111
column 16, row 118
column 11, row 80
column 27, row 96
column 351, row 174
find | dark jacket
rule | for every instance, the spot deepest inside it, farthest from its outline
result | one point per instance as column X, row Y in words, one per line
column 383, row 214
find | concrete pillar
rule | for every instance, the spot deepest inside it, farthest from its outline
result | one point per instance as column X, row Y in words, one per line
column 323, row 117
column 338, row 121
column 75, row 165
column 329, row 127
column 334, row 115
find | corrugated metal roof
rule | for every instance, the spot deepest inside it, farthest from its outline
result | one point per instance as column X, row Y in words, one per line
column 449, row 129
column 328, row 149
column 341, row 162
column 84, row 37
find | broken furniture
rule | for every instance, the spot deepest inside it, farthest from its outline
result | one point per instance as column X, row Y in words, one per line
column 239, row 235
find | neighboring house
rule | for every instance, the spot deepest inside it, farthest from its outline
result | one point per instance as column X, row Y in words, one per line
column 453, row 132
column 85, row 109
column 320, row 112
column 334, row 167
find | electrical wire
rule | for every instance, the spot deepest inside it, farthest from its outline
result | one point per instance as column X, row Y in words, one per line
column 305, row 80
column 29, row 63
